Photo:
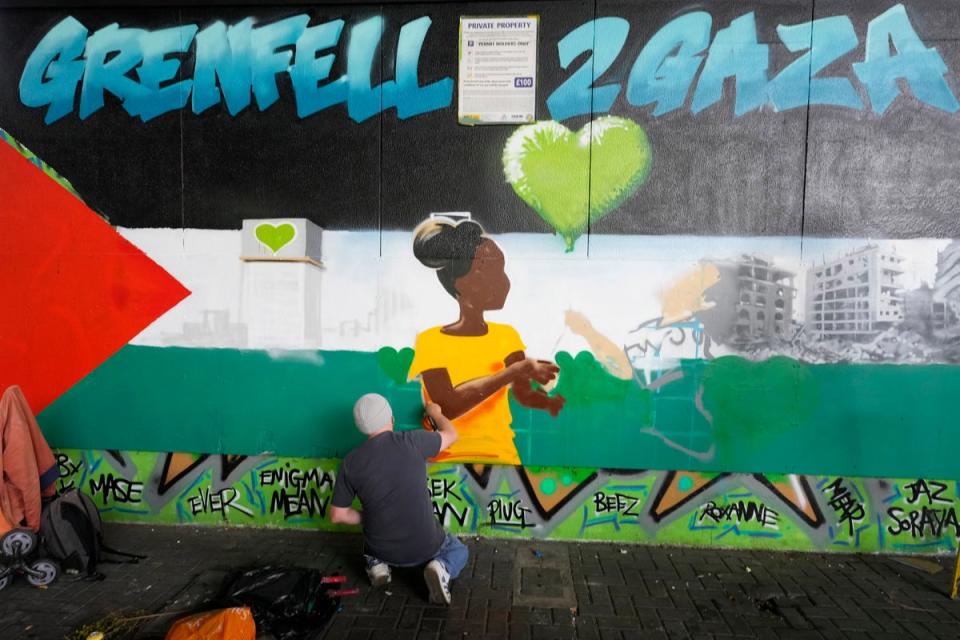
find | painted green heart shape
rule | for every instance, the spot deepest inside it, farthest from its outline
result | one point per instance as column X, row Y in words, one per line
column 753, row 403
column 561, row 174
column 395, row 363
column 276, row 237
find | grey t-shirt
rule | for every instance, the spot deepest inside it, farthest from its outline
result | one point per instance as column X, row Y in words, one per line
column 389, row 474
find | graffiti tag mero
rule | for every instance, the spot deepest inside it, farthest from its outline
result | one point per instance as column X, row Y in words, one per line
column 845, row 504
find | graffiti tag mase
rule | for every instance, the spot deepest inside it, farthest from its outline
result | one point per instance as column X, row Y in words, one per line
column 231, row 62
column 110, row 488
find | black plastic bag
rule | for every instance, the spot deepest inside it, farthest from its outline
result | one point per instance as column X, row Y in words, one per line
column 292, row 603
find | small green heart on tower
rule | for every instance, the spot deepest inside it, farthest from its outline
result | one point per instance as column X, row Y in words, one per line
column 275, row 237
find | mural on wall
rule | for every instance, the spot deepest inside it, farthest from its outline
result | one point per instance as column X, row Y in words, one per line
column 829, row 513
column 706, row 381
column 730, row 239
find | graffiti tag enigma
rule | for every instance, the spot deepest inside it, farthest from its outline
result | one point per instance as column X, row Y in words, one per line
column 801, row 512
column 231, row 62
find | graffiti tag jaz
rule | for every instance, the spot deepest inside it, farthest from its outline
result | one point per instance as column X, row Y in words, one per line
column 845, row 504
column 208, row 501
column 139, row 67
column 740, row 511
column 624, row 504
column 508, row 513
column 111, row 489
column 932, row 491
column 929, row 518
column 441, row 491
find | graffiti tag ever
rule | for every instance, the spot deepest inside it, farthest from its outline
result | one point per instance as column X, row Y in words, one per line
column 222, row 501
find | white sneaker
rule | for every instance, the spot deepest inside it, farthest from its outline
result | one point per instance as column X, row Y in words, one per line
column 379, row 574
column 438, row 582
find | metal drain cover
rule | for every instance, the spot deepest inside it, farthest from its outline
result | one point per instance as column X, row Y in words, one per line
column 543, row 580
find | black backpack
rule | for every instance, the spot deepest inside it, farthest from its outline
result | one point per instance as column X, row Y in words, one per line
column 72, row 533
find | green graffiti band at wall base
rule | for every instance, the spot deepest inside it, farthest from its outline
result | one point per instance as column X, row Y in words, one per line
column 827, row 513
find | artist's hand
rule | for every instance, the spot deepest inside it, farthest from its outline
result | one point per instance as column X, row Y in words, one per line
column 539, row 371
column 555, row 404
column 433, row 410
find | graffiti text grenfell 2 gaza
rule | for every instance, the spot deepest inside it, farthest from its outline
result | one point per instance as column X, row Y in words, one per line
column 232, row 64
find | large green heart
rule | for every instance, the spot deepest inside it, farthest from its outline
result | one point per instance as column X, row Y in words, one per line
column 395, row 363
column 562, row 174
column 275, row 237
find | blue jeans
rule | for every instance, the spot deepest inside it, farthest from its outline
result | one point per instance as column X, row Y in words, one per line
column 452, row 554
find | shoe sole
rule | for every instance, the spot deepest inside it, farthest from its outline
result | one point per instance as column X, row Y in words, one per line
column 437, row 595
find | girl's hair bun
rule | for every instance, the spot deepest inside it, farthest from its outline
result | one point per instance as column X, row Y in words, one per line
column 447, row 246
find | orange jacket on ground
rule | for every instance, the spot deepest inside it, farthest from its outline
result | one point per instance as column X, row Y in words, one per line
column 27, row 466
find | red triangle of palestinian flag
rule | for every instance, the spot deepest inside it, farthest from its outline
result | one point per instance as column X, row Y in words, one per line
column 74, row 291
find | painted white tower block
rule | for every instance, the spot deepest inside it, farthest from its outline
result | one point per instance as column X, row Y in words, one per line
column 282, row 269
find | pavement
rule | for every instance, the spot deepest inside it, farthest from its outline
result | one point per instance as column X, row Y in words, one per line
column 527, row 590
